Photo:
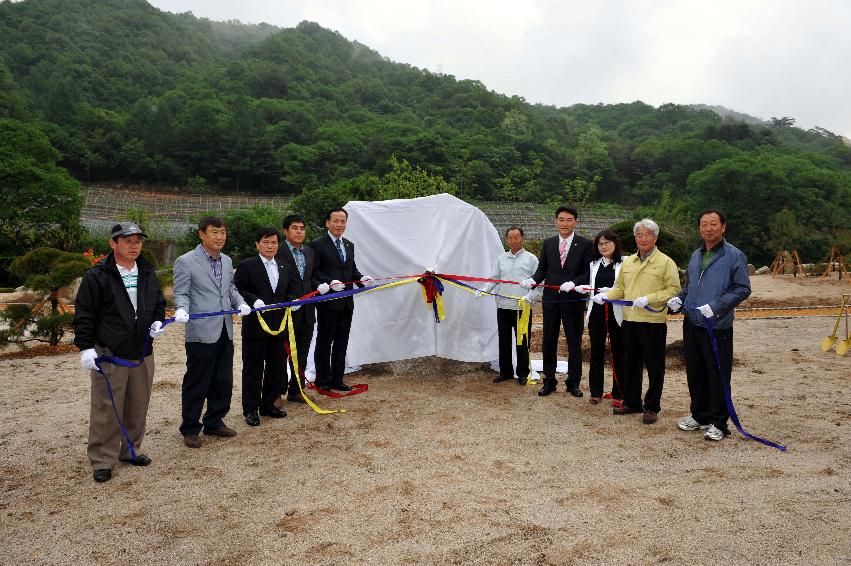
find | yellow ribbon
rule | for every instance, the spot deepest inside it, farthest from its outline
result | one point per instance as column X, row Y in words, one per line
column 523, row 316
column 287, row 322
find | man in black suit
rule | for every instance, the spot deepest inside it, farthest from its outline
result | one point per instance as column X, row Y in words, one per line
column 335, row 263
column 299, row 261
column 262, row 280
column 564, row 261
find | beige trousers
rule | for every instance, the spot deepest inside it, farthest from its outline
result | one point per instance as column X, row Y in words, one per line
column 131, row 389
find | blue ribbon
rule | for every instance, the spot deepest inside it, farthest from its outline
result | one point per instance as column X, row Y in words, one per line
column 728, row 398
column 127, row 364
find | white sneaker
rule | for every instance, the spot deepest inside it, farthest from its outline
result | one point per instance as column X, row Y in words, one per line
column 713, row 433
column 689, row 423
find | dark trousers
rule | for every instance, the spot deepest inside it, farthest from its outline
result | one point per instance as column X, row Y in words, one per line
column 644, row 346
column 598, row 328
column 506, row 323
column 209, row 376
column 573, row 323
column 332, row 339
column 708, row 402
column 303, row 335
column 262, row 371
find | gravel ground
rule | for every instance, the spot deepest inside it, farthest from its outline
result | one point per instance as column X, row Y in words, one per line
column 437, row 465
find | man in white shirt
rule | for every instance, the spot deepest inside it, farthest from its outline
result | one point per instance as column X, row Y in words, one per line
column 262, row 280
column 516, row 264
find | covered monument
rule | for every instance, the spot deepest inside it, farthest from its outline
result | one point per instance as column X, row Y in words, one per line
column 406, row 237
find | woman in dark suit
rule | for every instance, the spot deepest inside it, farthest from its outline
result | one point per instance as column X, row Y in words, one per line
column 605, row 319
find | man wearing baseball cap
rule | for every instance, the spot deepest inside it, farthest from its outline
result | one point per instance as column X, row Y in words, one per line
column 118, row 310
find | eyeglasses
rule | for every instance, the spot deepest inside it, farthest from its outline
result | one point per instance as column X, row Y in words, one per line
column 605, row 243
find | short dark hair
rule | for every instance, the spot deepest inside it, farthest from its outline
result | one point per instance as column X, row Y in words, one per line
column 208, row 221
column 337, row 209
column 266, row 232
column 720, row 214
column 292, row 219
column 617, row 255
column 569, row 210
column 518, row 228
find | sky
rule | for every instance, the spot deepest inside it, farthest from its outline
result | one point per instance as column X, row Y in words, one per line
column 765, row 58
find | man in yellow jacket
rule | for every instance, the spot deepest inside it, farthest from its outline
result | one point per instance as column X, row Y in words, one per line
column 648, row 278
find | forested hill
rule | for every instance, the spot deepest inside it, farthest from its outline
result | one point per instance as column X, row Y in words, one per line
column 129, row 93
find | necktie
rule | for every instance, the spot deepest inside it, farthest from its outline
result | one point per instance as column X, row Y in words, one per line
column 340, row 251
column 562, row 251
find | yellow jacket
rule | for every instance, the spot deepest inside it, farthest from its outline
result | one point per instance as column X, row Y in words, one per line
column 656, row 278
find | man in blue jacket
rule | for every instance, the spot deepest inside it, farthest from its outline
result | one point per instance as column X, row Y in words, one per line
column 717, row 281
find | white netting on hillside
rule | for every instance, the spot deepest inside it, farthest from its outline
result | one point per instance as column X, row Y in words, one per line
column 170, row 213
column 538, row 220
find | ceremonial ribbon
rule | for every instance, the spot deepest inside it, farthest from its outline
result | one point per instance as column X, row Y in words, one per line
column 127, row 364
column 432, row 290
column 728, row 398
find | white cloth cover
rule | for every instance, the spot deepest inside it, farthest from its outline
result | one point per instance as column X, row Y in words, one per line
column 405, row 237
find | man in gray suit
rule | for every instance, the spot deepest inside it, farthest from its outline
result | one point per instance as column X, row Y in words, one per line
column 203, row 282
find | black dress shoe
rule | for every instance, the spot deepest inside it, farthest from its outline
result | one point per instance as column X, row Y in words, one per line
column 547, row 389
column 575, row 391
column 273, row 412
column 322, row 387
column 252, row 418
column 342, row 387
column 522, row 380
column 500, row 379
column 141, row 460
column 102, row 475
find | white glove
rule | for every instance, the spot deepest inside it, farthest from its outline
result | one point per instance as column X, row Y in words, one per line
column 640, row 302
column 366, row 279
column 243, row 310
column 599, row 298
column 706, row 311
column 529, row 299
column 478, row 294
column 674, row 304
column 337, row 285
column 584, row 289
column 259, row 304
column 157, row 329
column 87, row 359
column 323, row 288
column 181, row 316
column 566, row 287
column 527, row 283
column 295, row 308
column 432, row 269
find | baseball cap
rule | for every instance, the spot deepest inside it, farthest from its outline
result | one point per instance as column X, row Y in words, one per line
column 123, row 229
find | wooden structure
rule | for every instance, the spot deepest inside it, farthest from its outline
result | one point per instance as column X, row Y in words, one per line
column 786, row 262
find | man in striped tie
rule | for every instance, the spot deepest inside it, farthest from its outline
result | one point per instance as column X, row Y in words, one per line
column 563, row 264
column 335, row 271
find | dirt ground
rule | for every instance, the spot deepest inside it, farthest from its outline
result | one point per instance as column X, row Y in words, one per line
column 437, row 465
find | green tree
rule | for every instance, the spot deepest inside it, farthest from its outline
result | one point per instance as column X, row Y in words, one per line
column 45, row 270
column 39, row 201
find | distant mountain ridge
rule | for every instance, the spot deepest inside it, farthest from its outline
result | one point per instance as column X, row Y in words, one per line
column 725, row 112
